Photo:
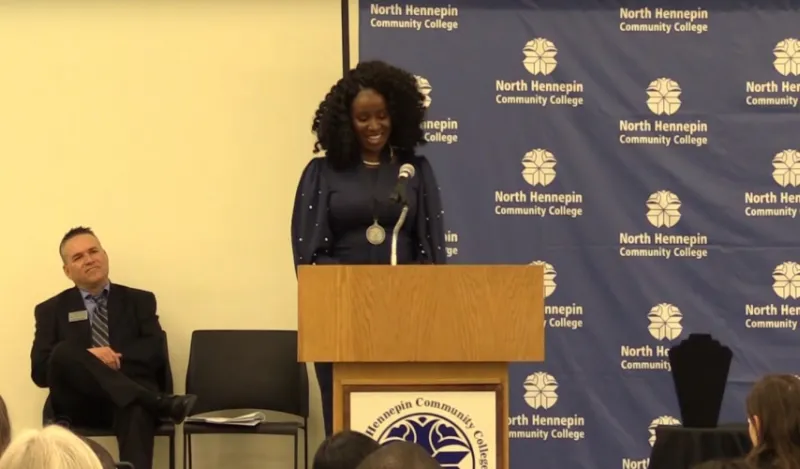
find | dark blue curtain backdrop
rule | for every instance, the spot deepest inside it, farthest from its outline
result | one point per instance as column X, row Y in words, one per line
column 648, row 155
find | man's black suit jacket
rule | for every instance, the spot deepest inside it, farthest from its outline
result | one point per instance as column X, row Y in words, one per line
column 133, row 325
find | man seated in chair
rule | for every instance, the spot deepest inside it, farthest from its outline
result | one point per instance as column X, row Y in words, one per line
column 99, row 348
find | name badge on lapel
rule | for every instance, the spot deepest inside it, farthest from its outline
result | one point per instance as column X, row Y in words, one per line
column 76, row 316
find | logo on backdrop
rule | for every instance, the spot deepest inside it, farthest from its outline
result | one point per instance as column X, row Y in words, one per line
column 559, row 316
column 541, row 394
column 658, row 421
column 663, row 211
column 541, row 390
column 787, row 57
column 438, row 130
column 786, row 280
column 538, row 170
column 663, row 98
column 786, row 173
column 665, row 322
column 665, row 326
column 415, row 18
column 663, row 20
column 778, row 315
column 540, row 56
column 447, row 432
column 630, row 463
column 539, row 59
column 539, row 167
column 778, row 93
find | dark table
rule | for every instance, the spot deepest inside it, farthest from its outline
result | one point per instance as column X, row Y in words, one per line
column 683, row 448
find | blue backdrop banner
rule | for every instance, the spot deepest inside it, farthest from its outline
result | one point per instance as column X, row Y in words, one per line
column 649, row 157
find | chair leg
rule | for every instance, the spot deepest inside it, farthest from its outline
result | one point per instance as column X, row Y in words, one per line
column 172, row 451
column 296, row 456
column 305, row 447
column 187, row 451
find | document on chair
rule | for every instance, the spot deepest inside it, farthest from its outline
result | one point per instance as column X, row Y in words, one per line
column 247, row 420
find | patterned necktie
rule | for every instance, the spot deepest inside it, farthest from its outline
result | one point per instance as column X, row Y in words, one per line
column 100, row 322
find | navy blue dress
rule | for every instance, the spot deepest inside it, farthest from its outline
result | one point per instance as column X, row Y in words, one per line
column 332, row 211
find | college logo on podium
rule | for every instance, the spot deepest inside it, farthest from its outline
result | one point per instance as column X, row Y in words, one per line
column 443, row 438
column 457, row 428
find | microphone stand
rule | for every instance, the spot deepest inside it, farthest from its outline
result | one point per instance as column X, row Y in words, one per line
column 399, row 197
column 397, row 227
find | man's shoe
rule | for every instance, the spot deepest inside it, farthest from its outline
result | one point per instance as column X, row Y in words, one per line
column 176, row 408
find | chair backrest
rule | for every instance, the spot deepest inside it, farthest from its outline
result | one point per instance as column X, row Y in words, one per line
column 247, row 369
column 166, row 382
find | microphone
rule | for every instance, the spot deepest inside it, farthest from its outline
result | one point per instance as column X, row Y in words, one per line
column 399, row 196
column 399, row 193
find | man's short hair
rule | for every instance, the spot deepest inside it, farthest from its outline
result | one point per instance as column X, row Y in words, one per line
column 400, row 455
column 344, row 450
column 73, row 232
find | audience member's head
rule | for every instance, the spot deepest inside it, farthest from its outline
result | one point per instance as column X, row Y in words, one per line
column 344, row 450
column 724, row 464
column 773, row 417
column 106, row 460
column 5, row 426
column 399, row 455
column 53, row 447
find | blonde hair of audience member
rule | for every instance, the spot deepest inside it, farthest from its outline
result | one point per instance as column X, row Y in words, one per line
column 773, row 417
column 54, row 447
column 5, row 426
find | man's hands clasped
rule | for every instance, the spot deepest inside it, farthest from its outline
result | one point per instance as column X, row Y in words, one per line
column 107, row 356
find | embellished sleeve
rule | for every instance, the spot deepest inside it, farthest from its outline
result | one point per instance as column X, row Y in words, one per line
column 311, row 235
column 430, row 217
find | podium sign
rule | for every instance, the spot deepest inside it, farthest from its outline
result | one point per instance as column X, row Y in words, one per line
column 456, row 424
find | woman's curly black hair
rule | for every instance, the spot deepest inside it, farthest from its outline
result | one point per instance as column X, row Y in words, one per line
column 333, row 123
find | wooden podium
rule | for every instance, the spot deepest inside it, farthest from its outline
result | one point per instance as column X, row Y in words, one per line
column 424, row 350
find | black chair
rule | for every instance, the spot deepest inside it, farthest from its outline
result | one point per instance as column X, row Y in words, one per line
column 247, row 369
column 165, row 429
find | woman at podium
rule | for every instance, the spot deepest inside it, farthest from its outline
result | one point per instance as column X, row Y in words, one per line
column 349, row 202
